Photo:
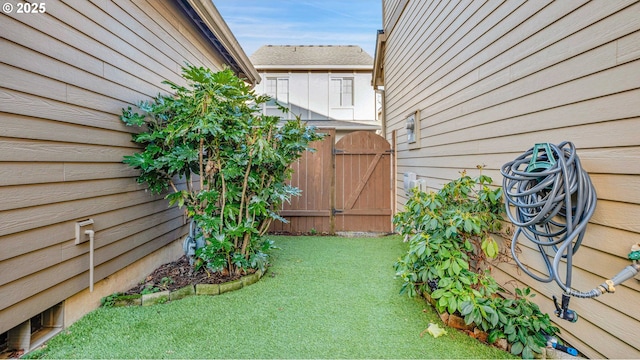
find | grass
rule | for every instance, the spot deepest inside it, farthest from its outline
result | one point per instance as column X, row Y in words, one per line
column 324, row 297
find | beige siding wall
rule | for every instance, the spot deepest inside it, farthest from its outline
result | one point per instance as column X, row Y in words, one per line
column 65, row 76
column 490, row 80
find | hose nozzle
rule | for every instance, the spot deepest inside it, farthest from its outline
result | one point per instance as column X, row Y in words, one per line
column 563, row 311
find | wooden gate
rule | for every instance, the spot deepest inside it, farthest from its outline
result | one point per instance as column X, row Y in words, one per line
column 363, row 183
column 346, row 186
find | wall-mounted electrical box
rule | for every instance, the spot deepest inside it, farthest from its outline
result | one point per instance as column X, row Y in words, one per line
column 421, row 184
column 409, row 181
column 81, row 227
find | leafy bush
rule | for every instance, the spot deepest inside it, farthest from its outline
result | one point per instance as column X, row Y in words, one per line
column 110, row 300
column 450, row 246
column 450, row 240
column 233, row 161
column 113, row 299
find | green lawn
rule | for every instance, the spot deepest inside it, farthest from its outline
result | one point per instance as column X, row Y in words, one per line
column 324, row 297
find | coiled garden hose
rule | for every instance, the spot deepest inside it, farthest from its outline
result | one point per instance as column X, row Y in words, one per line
column 550, row 199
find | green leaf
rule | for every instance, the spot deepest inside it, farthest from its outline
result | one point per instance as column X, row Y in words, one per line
column 468, row 225
column 451, row 231
column 490, row 247
column 438, row 293
column 527, row 353
column 509, row 329
column 446, row 264
column 516, row 348
column 494, row 319
column 475, row 227
column 477, row 316
column 456, row 267
column 453, row 305
column 502, row 318
column 466, row 308
column 463, row 264
column 494, row 335
column 443, row 303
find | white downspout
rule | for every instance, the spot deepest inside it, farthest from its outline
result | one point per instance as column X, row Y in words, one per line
column 91, row 234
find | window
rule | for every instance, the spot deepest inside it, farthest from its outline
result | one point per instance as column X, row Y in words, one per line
column 34, row 331
column 278, row 89
column 341, row 93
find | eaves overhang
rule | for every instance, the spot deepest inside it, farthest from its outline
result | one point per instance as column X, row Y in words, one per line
column 377, row 78
column 213, row 27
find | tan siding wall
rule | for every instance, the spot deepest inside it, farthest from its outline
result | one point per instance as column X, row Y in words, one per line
column 490, row 80
column 66, row 75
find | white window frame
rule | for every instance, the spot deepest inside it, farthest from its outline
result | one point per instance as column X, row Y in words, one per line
column 281, row 95
column 277, row 93
column 341, row 96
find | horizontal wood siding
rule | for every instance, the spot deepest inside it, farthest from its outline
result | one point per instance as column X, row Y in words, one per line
column 66, row 75
column 491, row 79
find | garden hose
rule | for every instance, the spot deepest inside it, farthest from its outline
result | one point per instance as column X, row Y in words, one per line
column 550, row 199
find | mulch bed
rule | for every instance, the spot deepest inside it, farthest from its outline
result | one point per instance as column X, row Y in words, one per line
column 178, row 274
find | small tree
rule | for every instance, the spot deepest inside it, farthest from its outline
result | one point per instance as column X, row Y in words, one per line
column 233, row 161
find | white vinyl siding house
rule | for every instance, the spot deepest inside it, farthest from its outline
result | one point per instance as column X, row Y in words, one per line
column 488, row 80
column 329, row 86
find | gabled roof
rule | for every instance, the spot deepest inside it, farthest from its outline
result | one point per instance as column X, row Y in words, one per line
column 310, row 57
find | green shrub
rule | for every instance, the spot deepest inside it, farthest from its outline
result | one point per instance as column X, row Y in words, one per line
column 233, row 161
column 113, row 299
column 450, row 246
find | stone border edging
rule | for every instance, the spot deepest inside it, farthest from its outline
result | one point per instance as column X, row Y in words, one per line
column 162, row 297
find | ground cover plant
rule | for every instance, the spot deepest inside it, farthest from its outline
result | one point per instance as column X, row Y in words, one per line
column 323, row 297
column 450, row 246
column 233, row 161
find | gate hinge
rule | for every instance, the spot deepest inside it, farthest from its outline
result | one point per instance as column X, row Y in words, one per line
column 336, row 211
column 337, row 151
column 390, row 151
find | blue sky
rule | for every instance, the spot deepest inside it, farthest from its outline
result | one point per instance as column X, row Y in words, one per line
column 303, row 22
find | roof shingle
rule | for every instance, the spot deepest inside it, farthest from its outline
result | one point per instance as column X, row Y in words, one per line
column 311, row 56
